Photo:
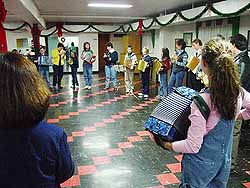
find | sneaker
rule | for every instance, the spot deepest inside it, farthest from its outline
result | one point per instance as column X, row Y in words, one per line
column 158, row 97
column 89, row 88
column 127, row 93
column 60, row 87
column 72, row 86
column 140, row 94
column 77, row 86
column 106, row 88
column 86, row 87
column 145, row 96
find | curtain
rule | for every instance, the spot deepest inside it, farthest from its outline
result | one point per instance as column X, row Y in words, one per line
column 3, row 41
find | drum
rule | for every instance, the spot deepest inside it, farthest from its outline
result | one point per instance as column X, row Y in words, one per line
column 157, row 65
column 193, row 64
column 142, row 65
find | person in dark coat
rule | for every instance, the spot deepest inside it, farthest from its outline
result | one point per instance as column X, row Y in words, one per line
column 238, row 47
column 33, row 153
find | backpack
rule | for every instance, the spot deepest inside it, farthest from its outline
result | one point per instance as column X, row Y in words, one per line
column 169, row 120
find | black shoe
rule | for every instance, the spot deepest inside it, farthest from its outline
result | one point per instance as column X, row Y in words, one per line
column 60, row 87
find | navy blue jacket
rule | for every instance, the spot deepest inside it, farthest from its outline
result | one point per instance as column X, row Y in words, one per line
column 114, row 58
column 37, row 157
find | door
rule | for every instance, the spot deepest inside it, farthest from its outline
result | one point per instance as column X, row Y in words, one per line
column 102, row 40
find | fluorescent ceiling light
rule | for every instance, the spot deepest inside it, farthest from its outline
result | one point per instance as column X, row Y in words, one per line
column 105, row 5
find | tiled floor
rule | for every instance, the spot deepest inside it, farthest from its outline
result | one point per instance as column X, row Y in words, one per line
column 109, row 145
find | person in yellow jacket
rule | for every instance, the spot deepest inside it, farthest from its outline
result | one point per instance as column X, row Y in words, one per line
column 59, row 57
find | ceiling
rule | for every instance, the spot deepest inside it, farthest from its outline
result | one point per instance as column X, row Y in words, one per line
column 47, row 13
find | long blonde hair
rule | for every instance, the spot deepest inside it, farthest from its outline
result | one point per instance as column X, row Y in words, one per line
column 224, row 84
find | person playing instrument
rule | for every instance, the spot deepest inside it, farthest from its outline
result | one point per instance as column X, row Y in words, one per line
column 179, row 62
column 164, row 73
column 238, row 47
column 194, row 79
column 111, row 58
column 129, row 71
column 74, row 64
column 59, row 57
column 87, row 58
column 43, row 65
column 33, row 153
column 207, row 149
column 145, row 76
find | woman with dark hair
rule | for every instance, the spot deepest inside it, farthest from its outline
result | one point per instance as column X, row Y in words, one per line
column 179, row 61
column 207, row 149
column 33, row 153
column 74, row 64
column 88, row 58
column 164, row 73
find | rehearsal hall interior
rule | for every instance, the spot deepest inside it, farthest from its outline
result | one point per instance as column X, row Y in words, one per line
column 125, row 94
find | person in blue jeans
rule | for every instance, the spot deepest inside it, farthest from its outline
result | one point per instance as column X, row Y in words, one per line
column 74, row 64
column 179, row 61
column 88, row 58
column 207, row 149
column 164, row 73
column 33, row 153
column 43, row 62
column 145, row 76
column 110, row 58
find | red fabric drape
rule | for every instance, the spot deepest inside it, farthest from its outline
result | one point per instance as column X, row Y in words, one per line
column 3, row 40
column 140, row 27
column 36, row 36
column 59, row 30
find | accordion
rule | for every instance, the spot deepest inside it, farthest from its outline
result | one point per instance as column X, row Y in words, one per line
column 157, row 66
column 169, row 120
column 193, row 64
column 142, row 65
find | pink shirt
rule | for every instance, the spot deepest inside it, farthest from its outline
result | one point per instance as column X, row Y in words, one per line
column 200, row 127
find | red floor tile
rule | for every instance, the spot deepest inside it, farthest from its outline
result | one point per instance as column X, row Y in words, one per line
column 108, row 120
column 143, row 133
column 53, row 120
column 113, row 100
column 135, row 139
column 125, row 145
column 83, row 110
column 167, row 179
column 64, row 117
column 78, row 133
column 74, row 113
column 89, row 129
column 131, row 110
column 106, row 102
column 60, row 103
column 124, row 113
column 138, row 107
column 91, row 107
column 143, row 104
column 116, row 117
column 100, row 124
column 53, row 105
column 247, row 184
column 114, row 152
column 174, row 168
column 99, row 105
column 84, row 170
column 179, row 157
column 73, row 181
column 118, row 98
column 149, row 102
column 101, row 160
column 70, row 139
